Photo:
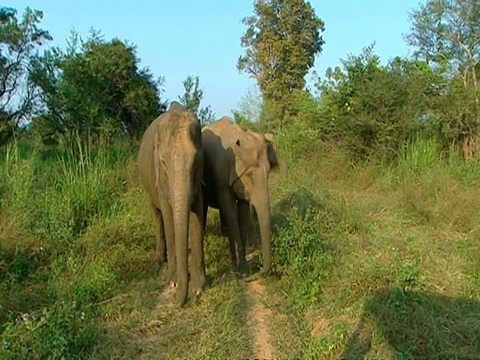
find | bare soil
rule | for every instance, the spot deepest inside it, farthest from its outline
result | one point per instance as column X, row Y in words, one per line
column 258, row 320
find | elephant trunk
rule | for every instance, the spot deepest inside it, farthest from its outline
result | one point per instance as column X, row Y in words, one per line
column 181, row 213
column 262, row 207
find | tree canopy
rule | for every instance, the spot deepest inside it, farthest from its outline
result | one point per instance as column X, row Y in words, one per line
column 192, row 98
column 373, row 109
column 282, row 39
column 95, row 90
column 447, row 34
column 20, row 39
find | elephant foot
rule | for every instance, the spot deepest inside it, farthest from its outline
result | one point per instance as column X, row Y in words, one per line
column 242, row 268
column 172, row 279
column 197, row 286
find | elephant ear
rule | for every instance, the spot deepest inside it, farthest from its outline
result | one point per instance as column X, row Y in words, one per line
column 272, row 152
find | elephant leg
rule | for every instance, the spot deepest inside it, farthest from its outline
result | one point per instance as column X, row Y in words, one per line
column 223, row 225
column 198, row 277
column 244, row 220
column 228, row 209
column 161, row 246
column 231, row 241
column 233, row 251
column 204, row 216
column 204, row 209
column 167, row 217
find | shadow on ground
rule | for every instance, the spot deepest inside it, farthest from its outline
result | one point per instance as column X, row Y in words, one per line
column 418, row 325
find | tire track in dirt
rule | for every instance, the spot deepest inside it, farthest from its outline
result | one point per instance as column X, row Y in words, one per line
column 258, row 320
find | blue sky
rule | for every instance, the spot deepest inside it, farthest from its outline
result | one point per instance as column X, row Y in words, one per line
column 202, row 37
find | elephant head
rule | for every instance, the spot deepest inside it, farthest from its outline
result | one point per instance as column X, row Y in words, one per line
column 255, row 156
column 176, row 107
column 239, row 162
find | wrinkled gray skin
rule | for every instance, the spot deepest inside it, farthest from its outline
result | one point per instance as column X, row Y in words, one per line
column 170, row 163
column 236, row 168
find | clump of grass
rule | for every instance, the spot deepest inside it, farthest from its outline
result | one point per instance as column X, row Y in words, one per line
column 62, row 330
column 51, row 278
column 17, row 174
column 89, row 279
column 418, row 156
column 305, row 242
column 422, row 157
column 89, row 188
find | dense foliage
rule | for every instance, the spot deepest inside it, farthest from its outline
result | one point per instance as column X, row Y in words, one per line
column 447, row 35
column 372, row 106
column 281, row 42
column 93, row 91
column 192, row 98
column 374, row 109
column 19, row 41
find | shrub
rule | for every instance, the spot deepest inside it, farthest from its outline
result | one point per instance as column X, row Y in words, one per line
column 304, row 245
column 62, row 331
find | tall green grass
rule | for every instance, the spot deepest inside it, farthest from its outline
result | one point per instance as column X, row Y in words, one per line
column 50, row 278
column 422, row 156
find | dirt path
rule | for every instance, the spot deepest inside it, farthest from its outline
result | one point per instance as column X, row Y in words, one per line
column 257, row 321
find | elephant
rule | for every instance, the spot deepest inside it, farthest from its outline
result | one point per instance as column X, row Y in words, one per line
column 237, row 164
column 170, row 163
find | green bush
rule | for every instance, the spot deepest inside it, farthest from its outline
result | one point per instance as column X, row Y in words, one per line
column 373, row 109
column 298, row 140
column 93, row 281
column 62, row 331
column 304, row 246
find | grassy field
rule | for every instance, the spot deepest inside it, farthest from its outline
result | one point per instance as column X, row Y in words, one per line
column 371, row 261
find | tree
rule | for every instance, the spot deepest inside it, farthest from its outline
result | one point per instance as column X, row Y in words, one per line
column 373, row 109
column 281, row 42
column 95, row 91
column 19, row 41
column 447, row 34
column 248, row 113
column 192, row 98
column 250, row 105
